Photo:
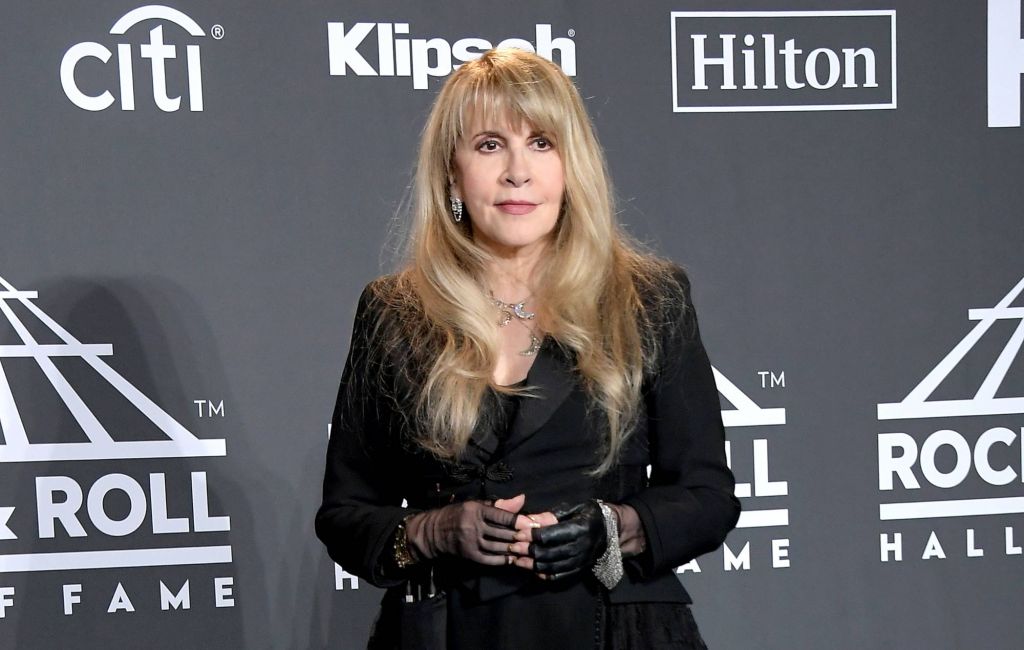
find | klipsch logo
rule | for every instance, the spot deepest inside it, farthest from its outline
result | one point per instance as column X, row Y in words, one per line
column 960, row 457
column 754, row 487
column 71, row 520
column 732, row 61
column 96, row 95
column 397, row 55
column 1005, row 62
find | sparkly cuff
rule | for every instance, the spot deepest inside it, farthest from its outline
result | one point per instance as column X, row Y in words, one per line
column 608, row 568
column 402, row 556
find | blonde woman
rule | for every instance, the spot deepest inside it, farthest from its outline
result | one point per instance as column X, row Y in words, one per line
column 513, row 383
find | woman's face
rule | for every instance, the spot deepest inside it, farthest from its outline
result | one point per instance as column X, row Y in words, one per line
column 511, row 180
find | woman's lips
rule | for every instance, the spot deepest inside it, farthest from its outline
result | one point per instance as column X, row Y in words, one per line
column 516, row 207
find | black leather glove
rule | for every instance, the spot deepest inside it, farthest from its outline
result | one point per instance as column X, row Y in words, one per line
column 474, row 530
column 571, row 545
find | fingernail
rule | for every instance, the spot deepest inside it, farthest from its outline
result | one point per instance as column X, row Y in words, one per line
column 534, row 524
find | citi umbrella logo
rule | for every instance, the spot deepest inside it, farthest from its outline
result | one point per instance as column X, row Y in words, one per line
column 86, row 70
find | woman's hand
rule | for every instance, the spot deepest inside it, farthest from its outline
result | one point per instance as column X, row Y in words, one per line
column 476, row 530
column 573, row 544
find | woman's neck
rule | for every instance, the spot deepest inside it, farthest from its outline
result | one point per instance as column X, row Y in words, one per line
column 512, row 281
column 511, row 274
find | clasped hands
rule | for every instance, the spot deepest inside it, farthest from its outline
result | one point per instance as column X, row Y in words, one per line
column 553, row 544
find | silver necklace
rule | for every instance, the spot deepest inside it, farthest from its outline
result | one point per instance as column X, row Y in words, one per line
column 518, row 309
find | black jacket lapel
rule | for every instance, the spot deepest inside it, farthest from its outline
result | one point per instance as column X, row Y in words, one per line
column 552, row 378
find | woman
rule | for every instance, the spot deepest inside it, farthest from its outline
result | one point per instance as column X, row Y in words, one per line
column 513, row 384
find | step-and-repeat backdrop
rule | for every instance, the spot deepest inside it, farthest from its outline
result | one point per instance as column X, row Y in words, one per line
column 193, row 194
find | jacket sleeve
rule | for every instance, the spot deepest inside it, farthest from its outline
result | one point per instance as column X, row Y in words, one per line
column 361, row 505
column 689, row 505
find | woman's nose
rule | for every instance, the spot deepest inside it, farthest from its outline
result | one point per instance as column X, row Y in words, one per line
column 518, row 171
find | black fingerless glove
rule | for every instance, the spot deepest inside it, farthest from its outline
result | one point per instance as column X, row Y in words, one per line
column 571, row 545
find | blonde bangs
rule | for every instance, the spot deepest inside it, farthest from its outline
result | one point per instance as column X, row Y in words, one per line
column 508, row 92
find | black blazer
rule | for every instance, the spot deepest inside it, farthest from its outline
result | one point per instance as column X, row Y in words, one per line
column 686, row 506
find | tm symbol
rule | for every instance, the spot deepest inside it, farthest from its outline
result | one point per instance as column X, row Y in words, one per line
column 771, row 379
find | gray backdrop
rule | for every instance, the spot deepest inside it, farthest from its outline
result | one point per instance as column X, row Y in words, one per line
column 179, row 287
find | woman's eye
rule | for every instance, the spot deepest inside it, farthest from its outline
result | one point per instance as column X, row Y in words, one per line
column 488, row 145
column 543, row 143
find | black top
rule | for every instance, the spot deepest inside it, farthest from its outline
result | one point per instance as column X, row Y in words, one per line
column 506, row 409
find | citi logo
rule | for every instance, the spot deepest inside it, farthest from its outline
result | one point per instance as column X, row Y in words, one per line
column 737, row 61
column 157, row 51
column 1005, row 62
column 422, row 58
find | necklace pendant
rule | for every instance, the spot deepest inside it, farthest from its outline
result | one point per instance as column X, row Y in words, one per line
column 521, row 313
column 534, row 347
column 505, row 318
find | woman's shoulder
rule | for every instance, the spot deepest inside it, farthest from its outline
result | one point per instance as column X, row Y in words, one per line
column 387, row 291
column 380, row 287
column 390, row 309
column 661, row 284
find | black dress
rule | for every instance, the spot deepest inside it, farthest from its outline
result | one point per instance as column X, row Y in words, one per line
column 672, row 471
column 545, row 614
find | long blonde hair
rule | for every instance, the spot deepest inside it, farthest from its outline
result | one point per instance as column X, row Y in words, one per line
column 591, row 279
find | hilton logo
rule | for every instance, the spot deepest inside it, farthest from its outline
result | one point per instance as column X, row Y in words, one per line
column 734, row 61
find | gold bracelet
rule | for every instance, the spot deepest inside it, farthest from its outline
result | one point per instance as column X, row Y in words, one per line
column 403, row 558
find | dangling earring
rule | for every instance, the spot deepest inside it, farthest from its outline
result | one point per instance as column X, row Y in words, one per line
column 457, row 209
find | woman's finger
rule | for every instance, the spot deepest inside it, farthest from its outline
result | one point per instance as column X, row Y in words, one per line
column 544, row 518
column 526, row 523
column 542, row 554
column 515, row 504
column 559, row 576
column 524, row 563
column 556, row 535
column 567, row 566
column 490, row 559
column 498, row 517
column 503, row 548
column 498, row 533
